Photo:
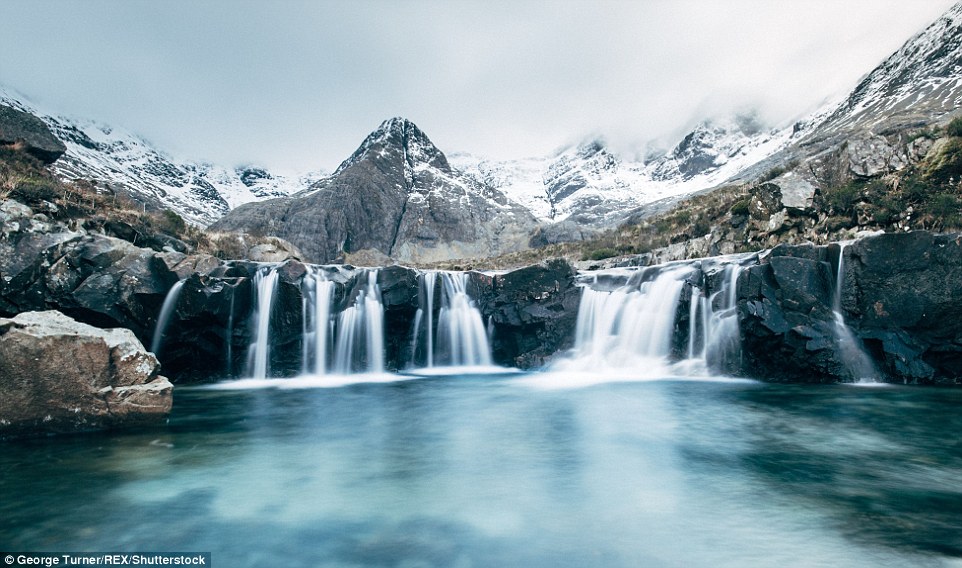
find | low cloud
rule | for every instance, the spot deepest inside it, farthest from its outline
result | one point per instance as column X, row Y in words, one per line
column 297, row 85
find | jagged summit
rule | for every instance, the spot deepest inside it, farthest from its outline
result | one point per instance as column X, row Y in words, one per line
column 399, row 139
column 395, row 198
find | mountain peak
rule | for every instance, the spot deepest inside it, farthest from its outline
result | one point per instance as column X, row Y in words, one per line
column 398, row 138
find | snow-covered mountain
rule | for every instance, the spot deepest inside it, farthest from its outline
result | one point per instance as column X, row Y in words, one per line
column 122, row 161
column 402, row 197
column 589, row 184
column 915, row 86
column 396, row 197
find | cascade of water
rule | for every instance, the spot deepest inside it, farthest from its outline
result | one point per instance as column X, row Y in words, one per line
column 166, row 310
column 361, row 325
column 462, row 337
column 632, row 326
column 719, row 337
column 715, row 336
column 425, row 314
column 857, row 362
column 265, row 282
column 318, row 293
column 230, row 335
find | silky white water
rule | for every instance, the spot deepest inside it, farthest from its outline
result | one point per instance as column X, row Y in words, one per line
column 460, row 338
column 632, row 328
column 166, row 311
column 265, row 282
column 359, row 346
column 318, row 293
column 857, row 362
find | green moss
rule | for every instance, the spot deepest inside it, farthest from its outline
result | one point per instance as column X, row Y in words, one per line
column 600, row 254
column 842, row 199
column 171, row 223
column 946, row 165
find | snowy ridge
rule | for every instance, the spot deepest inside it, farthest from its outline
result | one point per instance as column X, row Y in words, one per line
column 589, row 184
column 919, row 83
column 117, row 159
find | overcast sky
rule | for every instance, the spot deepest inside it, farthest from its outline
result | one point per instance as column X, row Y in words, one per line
column 296, row 85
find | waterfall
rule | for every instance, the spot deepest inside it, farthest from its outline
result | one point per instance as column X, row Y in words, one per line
column 857, row 362
column 318, row 293
column 265, row 283
column 360, row 332
column 634, row 327
column 460, row 338
column 166, row 310
column 630, row 328
column 713, row 334
column 425, row 315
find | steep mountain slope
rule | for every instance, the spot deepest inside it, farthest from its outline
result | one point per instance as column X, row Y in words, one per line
column 122, row 161
column 398, row 197
column 915, row 86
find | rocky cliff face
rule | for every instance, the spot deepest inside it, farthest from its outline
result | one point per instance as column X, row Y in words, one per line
column 894, row 296
column 395, row 198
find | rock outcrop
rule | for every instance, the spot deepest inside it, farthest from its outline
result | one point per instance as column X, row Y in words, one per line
column 60, row 376
column 903, row 292
column 533, row 311
column 26, row 132
column 787, row 324
column 898, row 298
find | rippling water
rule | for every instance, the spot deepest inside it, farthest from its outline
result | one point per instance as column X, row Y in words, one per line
column 534, row 471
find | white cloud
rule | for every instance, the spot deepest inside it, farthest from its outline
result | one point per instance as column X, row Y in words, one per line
column 297, row 85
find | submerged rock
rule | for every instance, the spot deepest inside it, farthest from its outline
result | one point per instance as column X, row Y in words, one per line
column 59, row 376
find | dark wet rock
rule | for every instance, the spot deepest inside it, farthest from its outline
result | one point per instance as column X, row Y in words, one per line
column 787, row 325
column 906, row 297
column 59, row 376
column 533, row 311
column 24, row 131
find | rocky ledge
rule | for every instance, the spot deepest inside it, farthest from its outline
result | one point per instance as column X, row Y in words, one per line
column 58, row 376
column 898, row 298
column 898, row 295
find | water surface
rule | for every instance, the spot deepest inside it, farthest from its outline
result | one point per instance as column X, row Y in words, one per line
column 488, row 470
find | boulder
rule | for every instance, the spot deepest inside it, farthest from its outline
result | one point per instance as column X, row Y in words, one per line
column 102, row 281
column 797, row 189
column 58, row 376
column 25, row 131
column 871, row 155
